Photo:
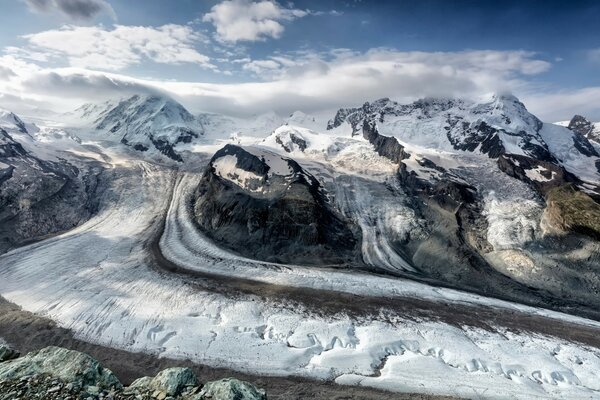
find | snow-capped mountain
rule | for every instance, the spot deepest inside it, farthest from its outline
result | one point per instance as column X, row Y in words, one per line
column 39, row 192
column 145, row 123
column 258, row 126
column 582, row 126
column 496, row 127
column 12, row 123
column 480, row 197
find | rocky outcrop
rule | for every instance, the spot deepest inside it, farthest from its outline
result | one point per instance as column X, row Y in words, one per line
column 294, row 140
column 585, row 129
column 171, row 381
column 231, row 389
column 7, row 353
column 267, row 207
column 540, row 175
column 39, row 197
column 55, row 373
column 385, row 146
column 571, row 210
column 581, row 125
column 66, row 365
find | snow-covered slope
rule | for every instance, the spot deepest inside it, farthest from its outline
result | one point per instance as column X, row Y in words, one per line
column 146, row 123
column 495, row 126
column 447, row 192
column 242, row 130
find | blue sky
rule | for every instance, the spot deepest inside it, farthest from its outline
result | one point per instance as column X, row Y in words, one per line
column 292, row 55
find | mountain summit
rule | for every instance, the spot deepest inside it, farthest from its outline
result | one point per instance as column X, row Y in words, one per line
column 145, row 122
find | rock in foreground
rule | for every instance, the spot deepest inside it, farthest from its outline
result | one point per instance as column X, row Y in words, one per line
column 58, row 373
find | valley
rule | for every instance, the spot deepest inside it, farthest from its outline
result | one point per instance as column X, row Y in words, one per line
column 453, row 264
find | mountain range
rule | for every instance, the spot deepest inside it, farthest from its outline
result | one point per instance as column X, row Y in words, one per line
column 470, row 198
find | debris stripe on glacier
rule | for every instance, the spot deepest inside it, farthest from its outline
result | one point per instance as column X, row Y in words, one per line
column 95, row 281
column 184, row 245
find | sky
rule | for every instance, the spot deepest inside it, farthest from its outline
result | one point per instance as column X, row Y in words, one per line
column 246, row 57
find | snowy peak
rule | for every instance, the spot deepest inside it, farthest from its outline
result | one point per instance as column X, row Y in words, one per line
column 296, row 139
column 581, row 125
column 9, row 121
column 145, row 123
column 258, row 170
column 497, row 125
column 159, row 114
column 584, row 127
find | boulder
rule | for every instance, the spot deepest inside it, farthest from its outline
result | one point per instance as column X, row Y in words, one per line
column 171, row 381
column 230, row 389
column 66, row 365
column 7, row 353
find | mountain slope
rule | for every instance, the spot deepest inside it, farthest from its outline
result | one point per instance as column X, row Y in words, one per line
column 39, row 197
column 146, row 123
column 268, row 207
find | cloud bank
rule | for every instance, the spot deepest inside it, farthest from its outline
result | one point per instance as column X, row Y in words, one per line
column 311, row 82
column 117, row 48
column 74, row 9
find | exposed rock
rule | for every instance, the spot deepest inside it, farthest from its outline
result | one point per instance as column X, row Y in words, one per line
column 171, row 381
column 581, row 125
column 230, row 389
column 385, row 146
column 571, row 210
column 55, row 373
column 39, row 197
column 540, row 175
column 67, row 365
column 7, row 353
column 294, row 140
column 268, row 207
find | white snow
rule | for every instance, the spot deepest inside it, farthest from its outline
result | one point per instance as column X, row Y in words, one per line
column 535, row 174
column 225, row 167
column 511, row 222
column 95, row 281
column 560, row 142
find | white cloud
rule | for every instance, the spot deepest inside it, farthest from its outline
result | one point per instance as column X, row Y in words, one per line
column 244, row 20
column 114, row 49
column 261, row 66
column 74, row 9
column 562, row 105
column 314, row 82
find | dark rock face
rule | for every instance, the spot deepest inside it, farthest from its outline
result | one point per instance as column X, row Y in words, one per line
column 8, row 147
column 581, row 125
column 584, row 129
column 472, row 137
column 583, row 145
column 8, row 353
column 521, row 167
column 39, row 197
column 278, row 218
column 298, row 141
column 385, row 146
